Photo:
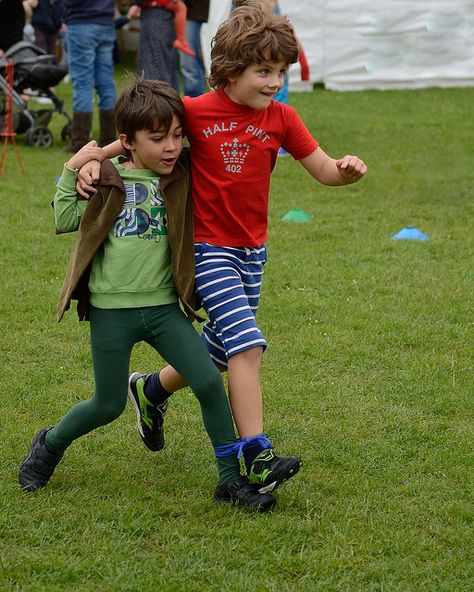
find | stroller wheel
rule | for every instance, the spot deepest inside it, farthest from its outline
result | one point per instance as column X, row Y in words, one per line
column 39, row 136
column 66, row 132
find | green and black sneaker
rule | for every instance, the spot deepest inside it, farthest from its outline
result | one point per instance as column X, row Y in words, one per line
column 149, row 417
column 242, row 493
column 269, row 470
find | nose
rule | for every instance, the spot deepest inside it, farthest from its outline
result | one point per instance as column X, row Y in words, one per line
column 173, row 144
column 276, row 80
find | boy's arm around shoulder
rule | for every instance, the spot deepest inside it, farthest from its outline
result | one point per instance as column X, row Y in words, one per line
column 68, row 208
column 89, row 171
column 330, row 171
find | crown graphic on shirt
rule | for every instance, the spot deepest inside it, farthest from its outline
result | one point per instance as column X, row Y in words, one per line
column 234, row 152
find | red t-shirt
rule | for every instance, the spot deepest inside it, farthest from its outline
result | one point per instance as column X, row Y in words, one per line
column 233, row 152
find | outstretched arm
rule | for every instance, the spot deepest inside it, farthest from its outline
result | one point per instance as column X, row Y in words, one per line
column 330, row 171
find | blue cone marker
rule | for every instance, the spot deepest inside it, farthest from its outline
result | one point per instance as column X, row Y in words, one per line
column 410, row 233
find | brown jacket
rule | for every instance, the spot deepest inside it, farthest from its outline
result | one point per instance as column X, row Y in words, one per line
column 99, row 217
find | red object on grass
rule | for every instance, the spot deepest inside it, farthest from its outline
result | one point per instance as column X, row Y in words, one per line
column 8, row 132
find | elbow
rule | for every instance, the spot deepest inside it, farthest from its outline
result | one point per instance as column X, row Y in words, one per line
column 64, row 226
column 60, row 226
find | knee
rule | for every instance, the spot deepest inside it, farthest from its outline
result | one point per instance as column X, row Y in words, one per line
column 250, row 357
column 213, row 379
column 208, row 384
column 111, row 411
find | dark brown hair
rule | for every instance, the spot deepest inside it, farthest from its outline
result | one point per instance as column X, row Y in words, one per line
column 147, row 105
column 252, row 34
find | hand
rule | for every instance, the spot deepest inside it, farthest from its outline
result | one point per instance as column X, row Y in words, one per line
column 88, row 152
column 351, row 168
column 134, row 12
column 86, row 177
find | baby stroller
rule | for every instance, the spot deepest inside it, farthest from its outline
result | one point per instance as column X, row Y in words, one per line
column 36, row 71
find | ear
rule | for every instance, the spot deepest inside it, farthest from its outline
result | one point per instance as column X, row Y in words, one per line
column 125, row 143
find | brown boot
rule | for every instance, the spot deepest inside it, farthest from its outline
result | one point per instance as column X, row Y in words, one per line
column 107, row 127
column 80, row 130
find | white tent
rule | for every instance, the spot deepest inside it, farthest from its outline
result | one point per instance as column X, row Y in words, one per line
column 377, row 44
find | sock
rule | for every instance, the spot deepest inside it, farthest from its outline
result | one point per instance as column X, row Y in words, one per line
column 252, row 447
column 251, row 453
column 228, row 468
column 228, row 463
column 154, row 391
column 51, row 447
column 249, row 448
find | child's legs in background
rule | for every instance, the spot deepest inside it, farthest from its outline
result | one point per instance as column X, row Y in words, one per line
column 63, row 62
column 113, row 335
column 46, row 41
column 282, row 94
column 179, row 11
column 81, row 45
column 192, row 67
column 104, row 68
column 282, row 97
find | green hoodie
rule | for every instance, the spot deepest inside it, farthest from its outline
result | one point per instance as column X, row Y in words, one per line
column 135, row 240
column 132, row 267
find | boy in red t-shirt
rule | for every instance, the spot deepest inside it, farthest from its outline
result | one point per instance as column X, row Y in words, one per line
column 235, row 133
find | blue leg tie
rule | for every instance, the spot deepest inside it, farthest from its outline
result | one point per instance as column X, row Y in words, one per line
column 238, row 447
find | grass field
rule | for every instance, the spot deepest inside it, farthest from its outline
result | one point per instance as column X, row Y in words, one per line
column 368, row 376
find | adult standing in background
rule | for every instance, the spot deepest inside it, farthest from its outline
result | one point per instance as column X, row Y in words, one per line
column 12, row 21
column 90, row 42
column 157, row 58
column 47, row 19
column 192, row 67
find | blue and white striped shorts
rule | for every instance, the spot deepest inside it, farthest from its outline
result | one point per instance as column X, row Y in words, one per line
column 228, row 284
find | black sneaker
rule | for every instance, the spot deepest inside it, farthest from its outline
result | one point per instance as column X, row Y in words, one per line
column 268, row 470
column 149, row 417
column 38, row 466
column 243, row 493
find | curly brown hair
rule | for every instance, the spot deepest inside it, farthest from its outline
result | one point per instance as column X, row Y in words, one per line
column 251, row 35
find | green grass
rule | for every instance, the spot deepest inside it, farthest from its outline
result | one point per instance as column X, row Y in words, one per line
column 368, row 376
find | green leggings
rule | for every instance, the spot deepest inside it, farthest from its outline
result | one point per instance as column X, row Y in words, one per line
column 114, row 332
